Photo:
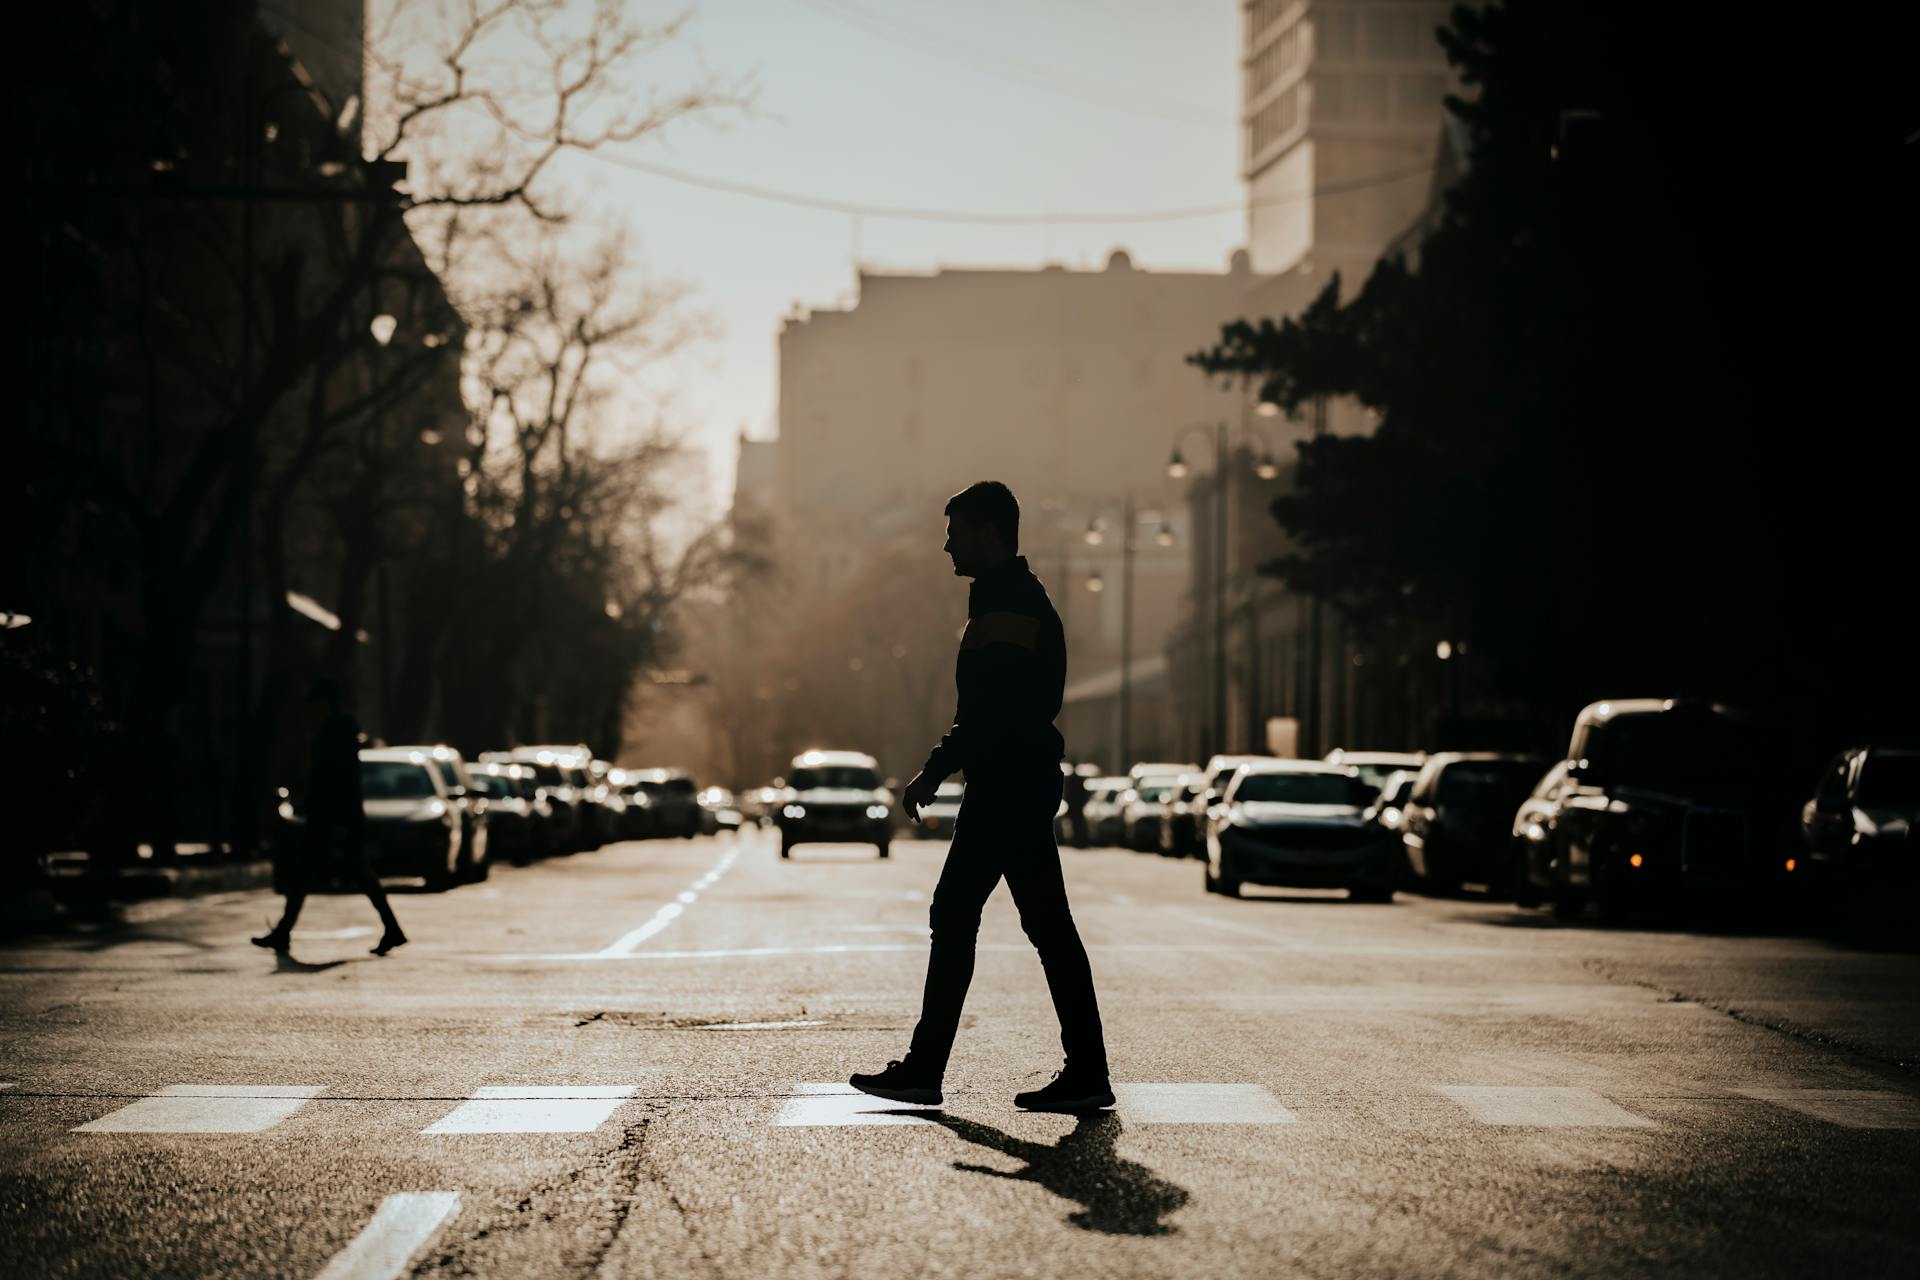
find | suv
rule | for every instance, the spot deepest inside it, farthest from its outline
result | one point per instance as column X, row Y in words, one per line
column 835, row 795
column 1658, row 797
column 673, row 801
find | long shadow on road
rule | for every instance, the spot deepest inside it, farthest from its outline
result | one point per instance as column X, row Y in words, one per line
column 1117, row 1196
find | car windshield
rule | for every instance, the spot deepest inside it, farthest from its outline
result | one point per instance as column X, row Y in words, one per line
column 1302, row 788
column 840, row 777
column 548, row 775
column 499, row 786
column 1669, row 751
column 395, row 780
column 1402, row 790
column 1154, row 792
column 1488, row 783
column 1890, row 781
column 1375, row 775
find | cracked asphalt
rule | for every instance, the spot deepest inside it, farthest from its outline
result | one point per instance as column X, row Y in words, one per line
column 1444, row 1088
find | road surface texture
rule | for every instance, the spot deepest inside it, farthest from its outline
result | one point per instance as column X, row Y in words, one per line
column 631, row 1063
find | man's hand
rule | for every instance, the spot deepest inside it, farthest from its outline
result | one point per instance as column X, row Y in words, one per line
column 918, row 795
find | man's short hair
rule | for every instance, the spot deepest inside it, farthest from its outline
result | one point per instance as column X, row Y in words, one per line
column 989, row 502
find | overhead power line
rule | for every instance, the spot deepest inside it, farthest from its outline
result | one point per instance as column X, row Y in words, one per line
column 991, row 218
column 1032, row 74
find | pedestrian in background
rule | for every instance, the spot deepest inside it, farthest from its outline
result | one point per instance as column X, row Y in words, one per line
column 1010, row 675
column 335, row 843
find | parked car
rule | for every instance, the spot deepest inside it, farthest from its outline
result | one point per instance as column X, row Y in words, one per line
column 468, row 803
column 937, row 819
column 718, row 811
column 1299, row 824
column 1458, row 824
column 835, row 796
column 1532, row 823
column 1143, row 811
column 674, row 799
column 555, row 771
column 1859, row 826
column 1388, row 812
column 1666, row 799
column 610, row 796
column 1184, row 832
column 1106, row 823
column 412, row 827
column 1076, row 787
column 513, row 816
column 1374, row 767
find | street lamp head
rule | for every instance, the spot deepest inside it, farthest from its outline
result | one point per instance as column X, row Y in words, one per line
column 382, row 328
column 1443, row 650
column 1267, row 409
column 1266, row 468
column 1094, row 535
column 1164, row 535
column 1095, row 583
column 1177, row 466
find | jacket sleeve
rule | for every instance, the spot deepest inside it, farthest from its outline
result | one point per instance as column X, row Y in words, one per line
column 999, row 649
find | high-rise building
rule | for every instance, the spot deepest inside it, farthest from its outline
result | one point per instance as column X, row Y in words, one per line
column 1341, row 101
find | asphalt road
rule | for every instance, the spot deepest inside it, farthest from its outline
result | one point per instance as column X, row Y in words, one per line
column 1310, row 1087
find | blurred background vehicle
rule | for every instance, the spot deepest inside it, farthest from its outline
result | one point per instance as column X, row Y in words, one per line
column 937, row 819
column 1859, row 825
column 1299, row 824
column 1532, row 823
column 1076, row 786
column 1106, row 822
column 1668, row 802
column 835, row 796
column 513, row 824
column 610, row 797
column 469, row 805
column 1144, row 811
column 412, row 828
column 673, row 801
column 1184, row 833
column 718, row 810
column 571, row 818
column 1374, row 767
column 1458, row 824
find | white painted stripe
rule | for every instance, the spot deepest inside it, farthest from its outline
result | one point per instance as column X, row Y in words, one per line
column 665, row 916
column 402, row 1227
column 207, row 1108
column 1848, row 1108
column 1521, row 1105
column 535, row 1109
column 764, row 1026
column 318, row 934
column 839, row 1105
column 1200, row 1104
column 832, row 949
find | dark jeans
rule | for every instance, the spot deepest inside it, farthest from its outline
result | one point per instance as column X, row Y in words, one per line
column 331, row 852
column 1005, row 829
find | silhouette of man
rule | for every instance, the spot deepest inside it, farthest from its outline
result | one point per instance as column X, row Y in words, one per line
column 1010, row 674
column 335, row 840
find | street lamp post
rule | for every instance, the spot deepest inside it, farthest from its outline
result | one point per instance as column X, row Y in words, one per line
column 1130, row 523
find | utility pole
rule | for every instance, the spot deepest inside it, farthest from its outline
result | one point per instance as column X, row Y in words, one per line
column 1126, row 636
column 1222, row 486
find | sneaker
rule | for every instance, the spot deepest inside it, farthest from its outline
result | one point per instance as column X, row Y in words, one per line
column 1069, row 1091
column 900, row 1083
column 273, row 940
column 388, row 941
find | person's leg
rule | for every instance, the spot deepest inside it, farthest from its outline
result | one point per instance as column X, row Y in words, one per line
column 968, row 879
column 290, row 915
column 1040, row 892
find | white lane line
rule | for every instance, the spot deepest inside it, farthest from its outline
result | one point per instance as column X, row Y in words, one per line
column 740, row 953
column 1848, row 1108
column 207, row 1108
column 665, row 916
column 316, row 934
column 1522, row 1105
column 535, row 1109
column 401, row 1228
column 1268, row 936
column 1200, row 1104
column 837, row 1106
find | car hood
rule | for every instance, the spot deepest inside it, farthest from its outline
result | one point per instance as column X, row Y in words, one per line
column 397, row 810
column 838, row 795
column 1269, row 813
column 1884, row 822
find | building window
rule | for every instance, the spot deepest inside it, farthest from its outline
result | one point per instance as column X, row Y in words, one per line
column 1336, row 35
column 1273, row 122
column 1330, row 97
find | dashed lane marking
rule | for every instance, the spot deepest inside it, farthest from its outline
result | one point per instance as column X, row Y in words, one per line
column 401, row 1228
column 667, row 914
column 535, row 1109
column 1848, row 1108
column 1525, row 1105
column 207, row 1108
column 823, row 1105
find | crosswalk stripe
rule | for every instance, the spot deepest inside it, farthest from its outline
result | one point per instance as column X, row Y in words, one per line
column 535, row 1109
column 401, row 1227
column 825, row 1105
column 1526, row 1105
column 1848, row 1108
column 207, row 1108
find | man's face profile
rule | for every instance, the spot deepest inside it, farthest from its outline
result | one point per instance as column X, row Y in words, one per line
column 964, row 541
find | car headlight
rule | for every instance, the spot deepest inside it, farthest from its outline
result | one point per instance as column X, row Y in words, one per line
column 877, row 811
column 795, row 811
column 431, row 812
column 1535, row 832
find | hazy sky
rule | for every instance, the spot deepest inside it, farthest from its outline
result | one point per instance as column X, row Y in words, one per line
column 991, row 106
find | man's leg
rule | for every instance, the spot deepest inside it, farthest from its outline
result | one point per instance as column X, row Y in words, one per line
column 967, row 880
column 1040, row 892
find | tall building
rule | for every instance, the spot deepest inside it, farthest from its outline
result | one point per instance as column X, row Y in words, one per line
column 1340, row 104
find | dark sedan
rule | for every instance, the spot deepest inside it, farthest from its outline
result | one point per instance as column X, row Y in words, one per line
column 1299, row 824
column 1458, row 824
column 1860, row 824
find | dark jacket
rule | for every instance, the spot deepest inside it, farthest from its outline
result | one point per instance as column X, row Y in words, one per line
column 1010, row 674
column 333, row 781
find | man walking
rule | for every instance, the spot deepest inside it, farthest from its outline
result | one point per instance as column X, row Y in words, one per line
column 335, row 817
column 1010, row 674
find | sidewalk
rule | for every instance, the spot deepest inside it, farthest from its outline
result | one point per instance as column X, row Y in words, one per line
column 74, row 888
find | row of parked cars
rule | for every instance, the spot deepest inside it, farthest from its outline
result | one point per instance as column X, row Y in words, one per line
column 430, row 812
column 1656, row 801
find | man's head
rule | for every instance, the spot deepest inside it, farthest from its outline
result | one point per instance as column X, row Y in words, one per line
column 983, row 528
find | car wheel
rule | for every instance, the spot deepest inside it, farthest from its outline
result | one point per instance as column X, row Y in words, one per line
column 885, row 851
column 443, row 876
column 1568, row 903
